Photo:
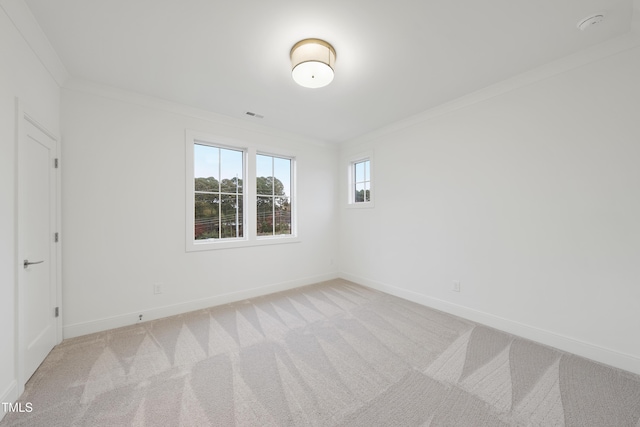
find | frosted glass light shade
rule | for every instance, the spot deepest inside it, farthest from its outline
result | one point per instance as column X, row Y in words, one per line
column 312, row 62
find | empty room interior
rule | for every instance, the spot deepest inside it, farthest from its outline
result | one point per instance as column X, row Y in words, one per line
column 320, row 213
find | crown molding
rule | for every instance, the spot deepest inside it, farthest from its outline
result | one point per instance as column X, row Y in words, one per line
column 635, row 19
column 20, row 15
column 104, row 91
column 628, row 41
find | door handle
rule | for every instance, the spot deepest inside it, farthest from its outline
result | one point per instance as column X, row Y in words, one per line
column 27, row 263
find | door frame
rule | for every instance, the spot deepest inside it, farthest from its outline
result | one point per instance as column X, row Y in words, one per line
column 23, row 114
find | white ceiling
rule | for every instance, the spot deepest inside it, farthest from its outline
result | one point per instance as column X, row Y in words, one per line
column 394, row 58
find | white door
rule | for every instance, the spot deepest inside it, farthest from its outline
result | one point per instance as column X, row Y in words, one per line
column 37, row 269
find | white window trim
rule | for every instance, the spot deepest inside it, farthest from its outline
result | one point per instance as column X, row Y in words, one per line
column 351, row 204
column 249, row 192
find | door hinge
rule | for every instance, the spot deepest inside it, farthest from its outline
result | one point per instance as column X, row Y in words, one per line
column 57, row 311
column 55, row 163
column 56, row 237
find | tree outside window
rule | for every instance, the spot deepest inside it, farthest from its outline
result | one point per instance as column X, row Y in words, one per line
column 273, row 189
column 362, row 181
column 218, row 186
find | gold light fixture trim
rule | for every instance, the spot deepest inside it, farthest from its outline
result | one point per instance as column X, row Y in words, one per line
column 312, row 62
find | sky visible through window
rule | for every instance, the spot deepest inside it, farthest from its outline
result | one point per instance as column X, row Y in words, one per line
column 281, row 170
column 362, row 181
column 206, row 164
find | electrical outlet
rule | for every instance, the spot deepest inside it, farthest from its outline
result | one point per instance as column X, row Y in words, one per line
column 157, row 288
column 456, row 286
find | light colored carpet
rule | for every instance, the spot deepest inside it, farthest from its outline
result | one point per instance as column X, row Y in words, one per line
column 330, row 354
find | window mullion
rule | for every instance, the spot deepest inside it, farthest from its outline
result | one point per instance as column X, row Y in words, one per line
column 250, row 192
column 273, row 198
column 219, row 194
column 237, row 205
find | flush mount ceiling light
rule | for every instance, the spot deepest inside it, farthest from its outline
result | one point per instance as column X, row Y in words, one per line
column 312, row 62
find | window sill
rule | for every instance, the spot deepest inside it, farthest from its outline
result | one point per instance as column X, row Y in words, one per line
column 240, row 243
column 361, row 205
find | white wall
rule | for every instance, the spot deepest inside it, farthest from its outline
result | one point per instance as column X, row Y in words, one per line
column 22, row 75
column 528, row 196
column 123, row 176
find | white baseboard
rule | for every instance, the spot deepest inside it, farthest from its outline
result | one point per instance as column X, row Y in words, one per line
column 10, row 395
column 609, row 357
column 84, row 328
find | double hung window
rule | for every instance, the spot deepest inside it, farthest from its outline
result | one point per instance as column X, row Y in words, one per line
column 273, row 188
column 361, row 181
column 236, row 195
column 218, row 195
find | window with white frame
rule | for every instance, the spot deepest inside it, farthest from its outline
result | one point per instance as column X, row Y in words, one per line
column 218, row 193
column 273, row 195
column 236, row 195
column 360, row 182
